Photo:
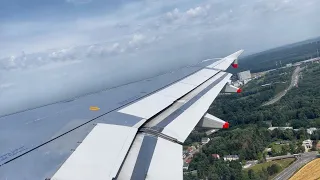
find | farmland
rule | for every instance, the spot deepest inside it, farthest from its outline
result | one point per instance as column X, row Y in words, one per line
column 310, row 171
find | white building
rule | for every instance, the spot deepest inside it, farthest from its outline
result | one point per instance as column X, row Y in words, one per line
column 267, row 149
column 307, row 144
column 237, row 83
column 245, row 75
column 311, row 130
column 281, row 128
column 231, row 158
column 185, row 166
column 289, row 65
column 205, row 140
column 209, row 132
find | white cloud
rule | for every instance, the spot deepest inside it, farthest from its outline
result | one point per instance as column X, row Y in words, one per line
column 136, row 39
column 173, row 15
column 198, row 11
column 150, row 37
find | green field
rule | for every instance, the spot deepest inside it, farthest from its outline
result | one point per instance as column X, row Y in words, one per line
column 277, row 147
column 283, row 163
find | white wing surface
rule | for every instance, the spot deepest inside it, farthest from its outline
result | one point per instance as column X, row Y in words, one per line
column 130, row 132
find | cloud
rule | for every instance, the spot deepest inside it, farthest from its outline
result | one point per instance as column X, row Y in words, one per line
column 198, row 11
column 86, row 49
column 136, row 39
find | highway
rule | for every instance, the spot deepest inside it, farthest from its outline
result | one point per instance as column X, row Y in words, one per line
column 294, row 81
column 301, row 161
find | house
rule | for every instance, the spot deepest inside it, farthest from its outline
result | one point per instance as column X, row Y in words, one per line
column 209, row 132
column 188, row 160
column 311, row 130
column 216, row 156
column 185, row 166
column 282, row 142
column 205, row 140
column 307, row 144
column 191, row 149
column 194, row 172
column 267, row 149
column 280, row 128
column 231, row 158
column 186, row 154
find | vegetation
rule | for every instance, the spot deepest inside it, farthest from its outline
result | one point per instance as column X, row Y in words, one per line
column 288, row 54
column 249, row 143
column 267, row 170
column 248, row 136
column 300, row 107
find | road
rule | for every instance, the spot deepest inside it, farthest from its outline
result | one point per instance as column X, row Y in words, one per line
column 294, row 81
column 301, row 161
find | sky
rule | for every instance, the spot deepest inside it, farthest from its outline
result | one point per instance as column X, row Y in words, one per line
column 54, row 49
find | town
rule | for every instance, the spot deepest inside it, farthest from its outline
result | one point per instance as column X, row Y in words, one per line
column 288, row 142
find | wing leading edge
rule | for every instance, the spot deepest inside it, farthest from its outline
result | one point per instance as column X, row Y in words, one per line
column 151, row 149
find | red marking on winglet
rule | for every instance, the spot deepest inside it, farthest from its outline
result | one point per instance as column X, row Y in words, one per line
column 225, row 125
column 234, row 65
column 239, row 90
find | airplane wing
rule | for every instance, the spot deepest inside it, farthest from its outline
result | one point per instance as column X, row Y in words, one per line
column 133, row 132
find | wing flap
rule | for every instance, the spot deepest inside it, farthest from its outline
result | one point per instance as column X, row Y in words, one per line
column 100, row 155
column 167, row 157
column 180, row 127
column 148, row 155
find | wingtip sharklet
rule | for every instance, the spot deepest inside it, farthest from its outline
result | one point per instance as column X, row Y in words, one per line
column 235, row 57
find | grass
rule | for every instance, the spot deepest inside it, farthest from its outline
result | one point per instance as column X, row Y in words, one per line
column 276, row 147
column 283, row 163
column 309, row 171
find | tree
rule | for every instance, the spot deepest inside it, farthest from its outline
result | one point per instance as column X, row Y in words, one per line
column 251, row 174
column 189, row 176
column 285, row 149
column 292, row 148
column 264, row 175
column 301, row 149
column 273, row 169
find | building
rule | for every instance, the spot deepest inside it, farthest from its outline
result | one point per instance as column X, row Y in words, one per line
column 311, row 130
column 191, row 149
column 194, row 172
column 216, row 156
column 231, row 158
column 209, row 132
column 186, row 154
column 237, row 83
column 246, row 81
column 205, row 140
column 307, row 144
column 267, row 149
column 282, row 142
column 245, row 75
column 185, row 165
column 280, row 128
column 289, row 65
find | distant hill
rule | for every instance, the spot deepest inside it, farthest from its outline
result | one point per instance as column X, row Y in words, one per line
column 286, row 54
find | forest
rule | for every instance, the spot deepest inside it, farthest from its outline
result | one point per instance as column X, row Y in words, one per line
column 287, row 54
column 248, row 135
column 300, row 107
